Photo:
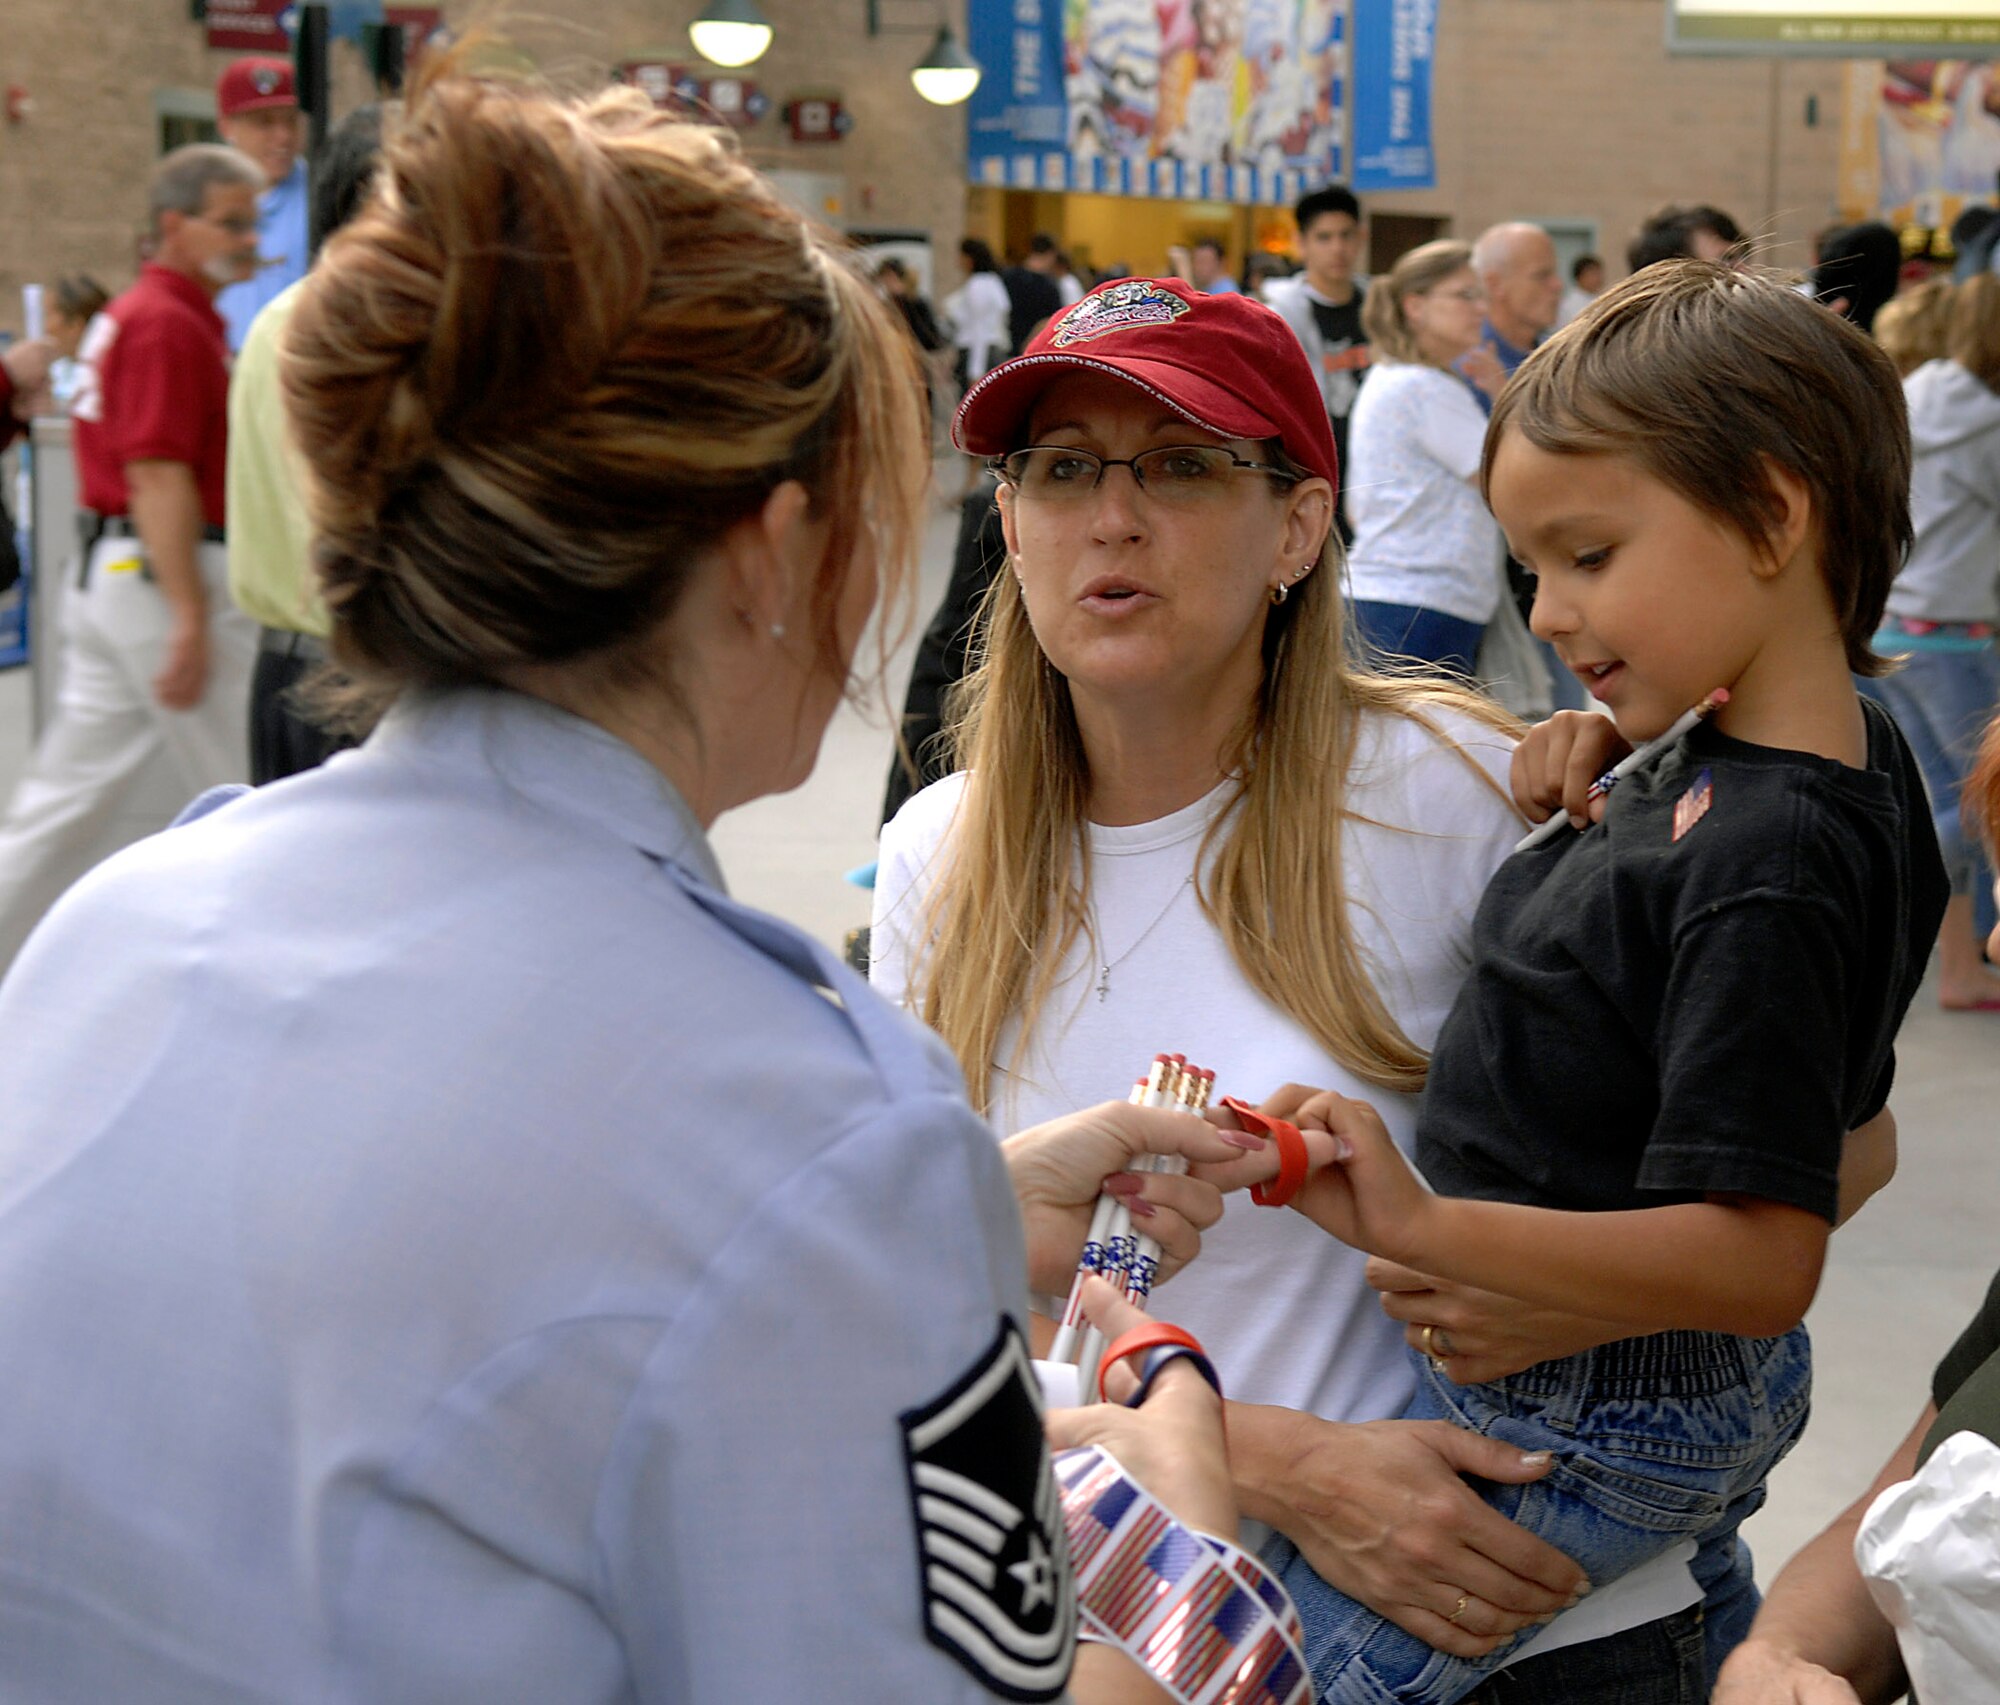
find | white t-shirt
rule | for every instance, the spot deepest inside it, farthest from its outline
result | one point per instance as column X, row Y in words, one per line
column 1281, row 1304
column 978, row 311
column 1422, row 534
column 1284, row 1307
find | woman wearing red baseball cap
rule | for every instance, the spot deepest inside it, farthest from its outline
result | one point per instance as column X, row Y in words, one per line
column 1186, row 818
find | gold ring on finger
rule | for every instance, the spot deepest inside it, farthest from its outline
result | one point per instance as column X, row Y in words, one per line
column 1428, row 1339
column 1458, row 1609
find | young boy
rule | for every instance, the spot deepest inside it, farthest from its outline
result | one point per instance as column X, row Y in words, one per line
column 1636, row 1110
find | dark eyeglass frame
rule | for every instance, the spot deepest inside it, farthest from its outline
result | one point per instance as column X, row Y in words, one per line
column 1106, row 463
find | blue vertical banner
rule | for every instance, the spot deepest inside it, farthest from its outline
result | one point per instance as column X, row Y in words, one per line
column 1019, row 106
column 1240, row 100
column 1392, row 94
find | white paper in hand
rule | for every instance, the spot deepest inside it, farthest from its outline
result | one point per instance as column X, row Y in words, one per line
column 1060, row 1386
column 1929, row 1550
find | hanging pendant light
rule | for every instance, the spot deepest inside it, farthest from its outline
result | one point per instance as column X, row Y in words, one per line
column 947, row 74
column 730, row 33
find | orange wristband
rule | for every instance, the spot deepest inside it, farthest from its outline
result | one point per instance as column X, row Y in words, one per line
column 1153, row 1335
column 1291, row 1154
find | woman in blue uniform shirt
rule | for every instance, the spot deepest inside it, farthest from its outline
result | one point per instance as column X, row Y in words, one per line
column 448, row 1249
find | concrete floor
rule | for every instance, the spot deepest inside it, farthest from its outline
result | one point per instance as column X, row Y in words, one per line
column 1902, row 1277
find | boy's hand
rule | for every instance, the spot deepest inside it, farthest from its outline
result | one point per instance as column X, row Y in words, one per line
column 1364, row 1191
column 1557, row 761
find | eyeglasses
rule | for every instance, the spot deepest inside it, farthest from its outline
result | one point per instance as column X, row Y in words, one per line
column 1174, row 473
column 237, row 225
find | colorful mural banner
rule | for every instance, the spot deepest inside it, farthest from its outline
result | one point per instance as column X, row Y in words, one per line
column 1392, row 94
column 1921, row 140
column 1212, row 100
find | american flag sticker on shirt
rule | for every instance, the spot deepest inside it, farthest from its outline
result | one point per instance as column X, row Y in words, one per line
column 1693, row 805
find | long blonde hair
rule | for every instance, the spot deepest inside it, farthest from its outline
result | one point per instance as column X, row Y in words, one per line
column 1006, row 909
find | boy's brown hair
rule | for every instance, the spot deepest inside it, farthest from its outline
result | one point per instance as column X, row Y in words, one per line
column 1705, row 375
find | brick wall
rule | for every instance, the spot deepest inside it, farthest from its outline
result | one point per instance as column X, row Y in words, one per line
column 1557, row 109
column 1573, row 109
column 72, row 175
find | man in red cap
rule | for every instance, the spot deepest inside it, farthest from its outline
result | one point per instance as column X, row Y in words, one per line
column 257, row 111
column 156, row 662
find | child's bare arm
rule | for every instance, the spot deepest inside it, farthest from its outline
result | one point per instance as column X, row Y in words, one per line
column 1867, row 1162
column 1729, row 1264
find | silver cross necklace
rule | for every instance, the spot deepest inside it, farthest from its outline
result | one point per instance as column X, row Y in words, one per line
column 1107, row 966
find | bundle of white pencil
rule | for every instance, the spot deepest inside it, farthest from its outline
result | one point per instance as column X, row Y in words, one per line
column 1112, row 1250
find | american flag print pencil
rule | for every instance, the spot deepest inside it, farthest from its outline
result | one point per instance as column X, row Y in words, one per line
column 1069, row 1328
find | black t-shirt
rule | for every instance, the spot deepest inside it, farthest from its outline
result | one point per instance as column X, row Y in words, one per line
column 1699, row 994
column 1966, row 1386
column 1031, row 298
column 1344, row 360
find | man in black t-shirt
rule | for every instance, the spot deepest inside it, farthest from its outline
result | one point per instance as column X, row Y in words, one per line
column 1323, row 306
column 1032, row 295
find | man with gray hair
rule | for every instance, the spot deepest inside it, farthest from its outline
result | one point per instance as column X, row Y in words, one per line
column 156, row 662
column 1522, row 278
column 1518, row 269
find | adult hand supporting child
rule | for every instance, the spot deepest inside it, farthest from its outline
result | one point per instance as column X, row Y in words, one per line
column 1382, row 1512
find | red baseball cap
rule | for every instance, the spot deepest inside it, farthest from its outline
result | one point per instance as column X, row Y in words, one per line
column 251, row 85
column 1227, row 362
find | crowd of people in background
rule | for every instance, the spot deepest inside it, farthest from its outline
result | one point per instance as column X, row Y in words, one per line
column 540, row 582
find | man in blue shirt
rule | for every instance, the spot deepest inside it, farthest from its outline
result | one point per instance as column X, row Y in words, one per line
column 257, row 111
column 1518, row 269
column 1523, row 280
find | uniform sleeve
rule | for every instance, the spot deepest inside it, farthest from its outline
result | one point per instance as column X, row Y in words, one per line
column 1450, row 429
column 760, row 1517
column 169, row 386
column 1753, row 1030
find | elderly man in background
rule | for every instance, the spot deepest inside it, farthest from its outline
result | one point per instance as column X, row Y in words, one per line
column 1523, row 281
column 155, row 661
column 257, row 111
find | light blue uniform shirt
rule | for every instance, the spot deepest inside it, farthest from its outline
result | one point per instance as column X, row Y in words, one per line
column 449, row 1251
column 282, row 247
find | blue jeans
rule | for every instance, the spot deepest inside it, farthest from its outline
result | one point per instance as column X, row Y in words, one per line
column 1406, row 631
column 1942, row 700
column 1657, row 1664
column 1656, row 1440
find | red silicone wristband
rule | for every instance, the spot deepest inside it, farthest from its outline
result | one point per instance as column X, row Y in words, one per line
column 1140, row 1339
column 1291, row 1154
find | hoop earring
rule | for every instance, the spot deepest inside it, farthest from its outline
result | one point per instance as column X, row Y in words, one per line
column 1280, row 592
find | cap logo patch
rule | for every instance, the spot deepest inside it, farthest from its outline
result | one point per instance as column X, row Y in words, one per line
column 1117, row 308
column 263, row 79
column 997, row 1590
